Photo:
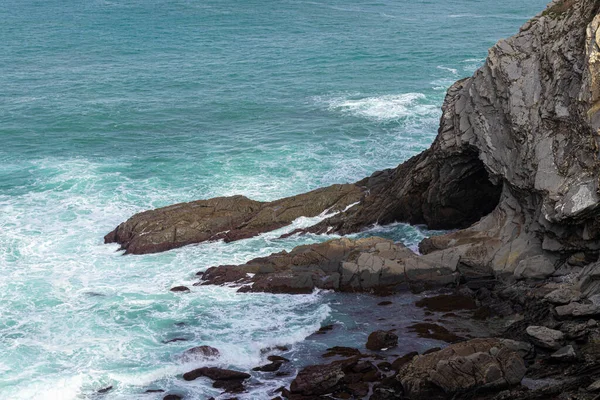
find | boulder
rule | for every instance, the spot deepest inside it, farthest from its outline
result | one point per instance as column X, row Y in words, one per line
column 578, row 310
column 184, row 289
column 563, row 296
column 318, row 379
column 545, row 337
column 379, row 340
column 478, row 363
column 566, row 353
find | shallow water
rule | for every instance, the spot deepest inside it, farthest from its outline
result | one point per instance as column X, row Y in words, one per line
column 113, row 107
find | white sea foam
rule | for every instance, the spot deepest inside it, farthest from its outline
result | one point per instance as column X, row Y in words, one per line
column 383, row 108
column 454, row 71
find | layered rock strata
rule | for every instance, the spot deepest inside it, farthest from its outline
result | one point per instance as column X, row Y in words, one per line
column 346, row 265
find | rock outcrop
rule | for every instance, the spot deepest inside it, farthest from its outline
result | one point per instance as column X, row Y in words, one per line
column 481, row 363
column 530, row 117
column 347, row 265
column 224, row 218
column 517, row 145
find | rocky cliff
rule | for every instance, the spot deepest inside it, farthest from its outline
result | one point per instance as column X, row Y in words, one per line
column 516, row 156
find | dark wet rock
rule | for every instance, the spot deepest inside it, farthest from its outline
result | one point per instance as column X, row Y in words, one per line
column 154, row 391
column 447, row 303
column 384, row 303
column 402, row 361
column 594, row 387
column 272, row 367
column 463, row 366
column 324, row 329
column 545, row 337
column 105, row 390
column 277, row 359
column 340, row 351
column 483, row 313
column 173, row 397
column 432, row 350
column 215, row 374
column 174, row 340
column 318, row 379
column 380, row 340
column 350, row 265
column 589, row 280
column 434, row 331
column 201, row 352
column 180, row 289
column 227, row 218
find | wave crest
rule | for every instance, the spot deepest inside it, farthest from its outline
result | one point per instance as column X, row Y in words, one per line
column 384, row 108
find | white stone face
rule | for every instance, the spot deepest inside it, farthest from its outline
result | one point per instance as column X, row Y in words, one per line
column 583, row 199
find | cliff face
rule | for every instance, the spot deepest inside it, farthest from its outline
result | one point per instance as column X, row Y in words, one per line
column 516, row 154
column 528, row 121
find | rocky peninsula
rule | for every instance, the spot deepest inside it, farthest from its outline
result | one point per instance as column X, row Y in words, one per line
column 513, row 173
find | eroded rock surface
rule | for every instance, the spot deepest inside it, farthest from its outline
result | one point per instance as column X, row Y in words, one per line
column 227, row 218
column 350, row 265
column 483, row 363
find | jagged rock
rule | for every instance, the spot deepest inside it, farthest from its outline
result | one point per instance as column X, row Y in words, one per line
column 517, row 145
column 563, row 296
column 564, row 353
column 227, row 218
column 594, row 387
column 530, row 116
column 577, row 310
column 477, row 363
column 589, row 280
column 272, row 367
column 318, row 379
column 379, row 340
column 216, row 374
column 200, row 352
column 350, row 265
column 545, row 337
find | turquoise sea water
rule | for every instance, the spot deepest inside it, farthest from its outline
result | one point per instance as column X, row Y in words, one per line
column 111, row 107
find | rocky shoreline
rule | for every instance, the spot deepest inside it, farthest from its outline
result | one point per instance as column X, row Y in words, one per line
column 513, row 172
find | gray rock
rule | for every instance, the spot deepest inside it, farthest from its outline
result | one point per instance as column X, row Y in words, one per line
column 563, row 296
column 589, row 280
column 565, row 353
column 477, row 363
column 575, row 310
column 545, row 337
column 537, row 267
column 594, row 387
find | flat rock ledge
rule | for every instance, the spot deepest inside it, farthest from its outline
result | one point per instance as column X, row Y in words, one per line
column 346, row 265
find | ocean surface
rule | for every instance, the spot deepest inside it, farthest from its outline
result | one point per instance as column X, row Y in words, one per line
column 110, row 107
